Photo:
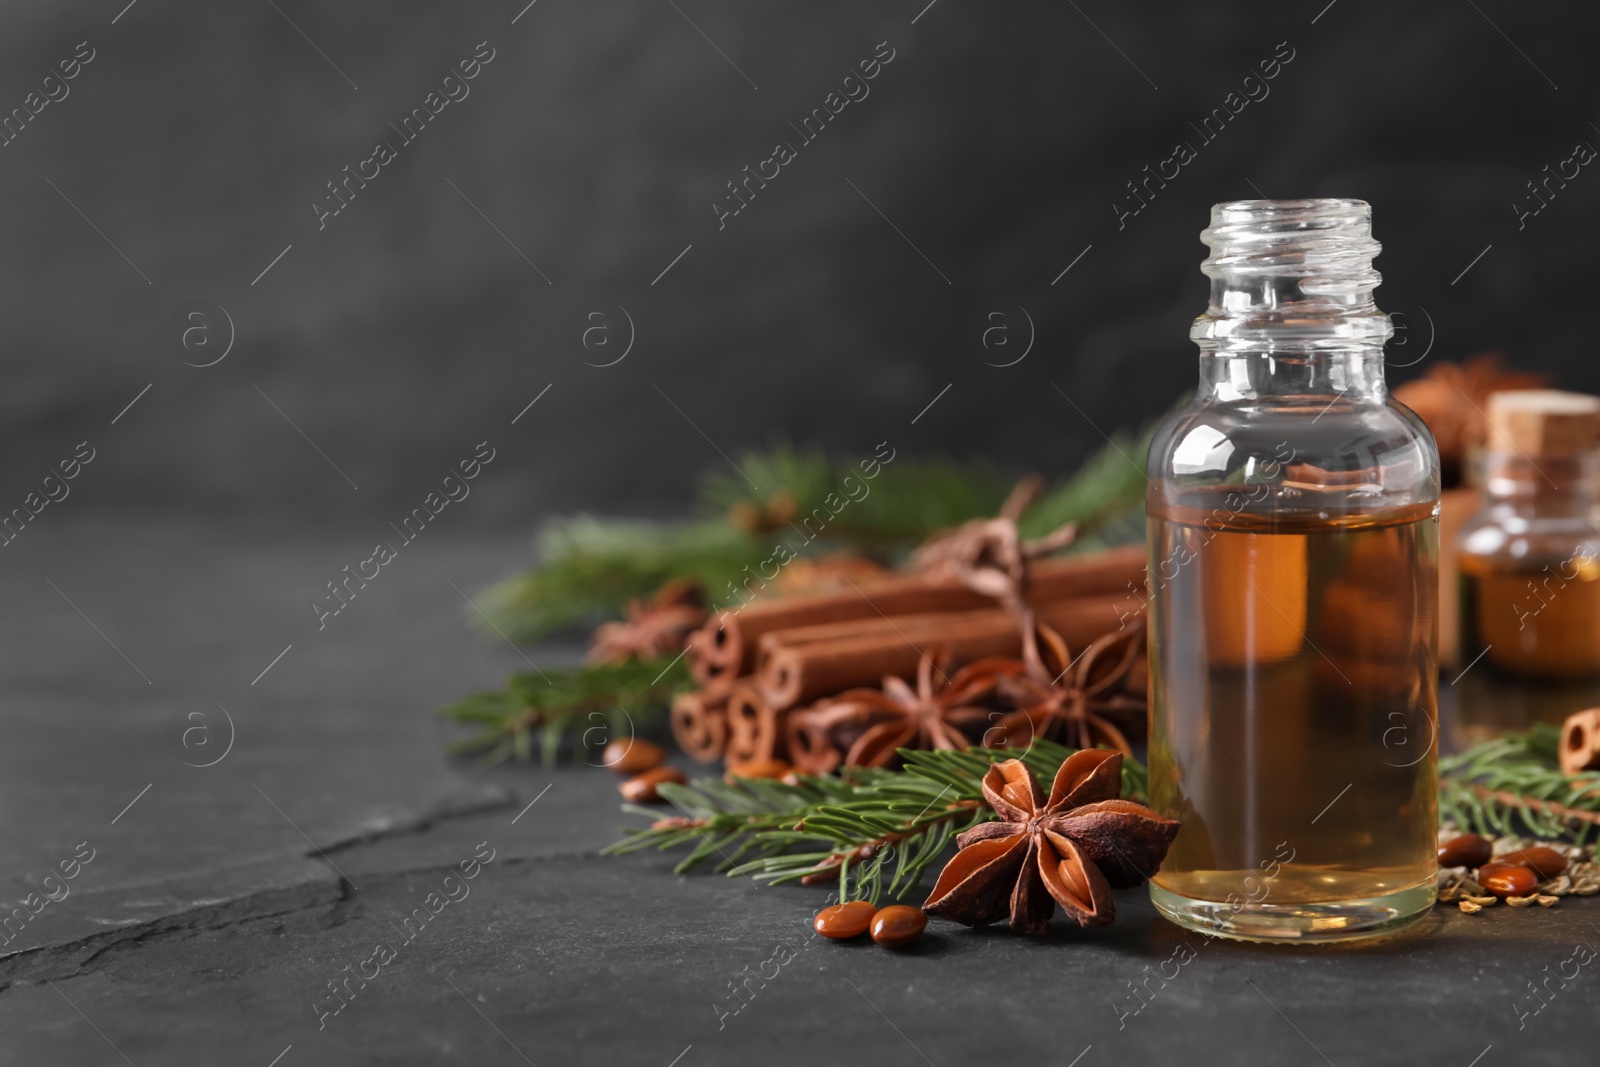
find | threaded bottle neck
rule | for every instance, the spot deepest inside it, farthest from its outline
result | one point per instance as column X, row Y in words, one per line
column 1291, row 276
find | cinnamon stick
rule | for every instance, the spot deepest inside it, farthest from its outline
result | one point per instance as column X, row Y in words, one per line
column 803, row 664
column 755, row 728
column 705, row 657
column 725, row 648
column 700, row 726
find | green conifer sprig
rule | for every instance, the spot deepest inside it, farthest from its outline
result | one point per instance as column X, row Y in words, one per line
column 1105, row 497
column 577, row 709
column 589, row 568
column 903, row 502
column 1512, row 786
column 877, row 831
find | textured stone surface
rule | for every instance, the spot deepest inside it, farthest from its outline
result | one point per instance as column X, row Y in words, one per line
column 336, row 742
column 206, row 931
column 575, row 958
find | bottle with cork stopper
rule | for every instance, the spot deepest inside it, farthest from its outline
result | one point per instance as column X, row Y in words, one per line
column 1530, row 559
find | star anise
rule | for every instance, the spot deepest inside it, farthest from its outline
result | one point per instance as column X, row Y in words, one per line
column 1070, row 850
column 949, row 716
column 651, row 629
column 1078, row 705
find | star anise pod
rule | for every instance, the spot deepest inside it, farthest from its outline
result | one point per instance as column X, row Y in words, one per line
column 1079, row 705
column 949, row 716
column 651, row 629
column 1070, row 850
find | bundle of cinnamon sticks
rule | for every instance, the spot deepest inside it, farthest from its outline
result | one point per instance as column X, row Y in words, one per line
column 760, row 666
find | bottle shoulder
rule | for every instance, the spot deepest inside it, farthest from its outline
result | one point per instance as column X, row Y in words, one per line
column 1312, row 452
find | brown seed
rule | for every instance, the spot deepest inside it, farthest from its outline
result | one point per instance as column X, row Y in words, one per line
column 1469, row 907
column 844, row 921
column 1507, row 879
column 1468, row 850
column 641, row 789
column 632, row 755
column 1546, row 862
column 1547, row 901
column 1519, row 902
column 898, row 925
column 761, row 768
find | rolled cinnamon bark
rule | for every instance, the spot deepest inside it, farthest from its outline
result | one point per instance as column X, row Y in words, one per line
column 755, row 728
column 803, row 664
column 1580, row 742
column 700, row 726
column 725, row 648
column 705, row 656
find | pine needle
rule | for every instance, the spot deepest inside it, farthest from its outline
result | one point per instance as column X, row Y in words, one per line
column 1105, row 497
column 900, row 505
column 574, row 710
column 589, row 568
column 876, row 831
column 1512, row 786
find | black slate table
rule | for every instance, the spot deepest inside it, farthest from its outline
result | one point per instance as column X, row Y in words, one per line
column 229, row 910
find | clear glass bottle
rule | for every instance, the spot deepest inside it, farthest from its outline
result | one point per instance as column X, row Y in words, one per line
column 1293, row 536
column 1530, row 562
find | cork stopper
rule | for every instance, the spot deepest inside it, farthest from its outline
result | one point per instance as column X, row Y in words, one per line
column 1543, row 422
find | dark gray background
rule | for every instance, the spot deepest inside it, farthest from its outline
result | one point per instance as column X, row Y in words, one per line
column 597, row 140
column 222, row 899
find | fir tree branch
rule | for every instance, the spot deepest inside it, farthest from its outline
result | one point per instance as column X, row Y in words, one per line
column 589, row 568
column 1108, row 489
column 898, row 507
column 876, row 831
column 1546, row 807
column 579, row 709
column 1512, row 786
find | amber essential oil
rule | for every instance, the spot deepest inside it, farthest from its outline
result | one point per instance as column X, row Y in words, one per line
column 1540, row 622
column 1529, row 560
column 1293, row 732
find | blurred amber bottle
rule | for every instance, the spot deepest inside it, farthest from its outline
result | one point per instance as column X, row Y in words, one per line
column 1530, row 559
